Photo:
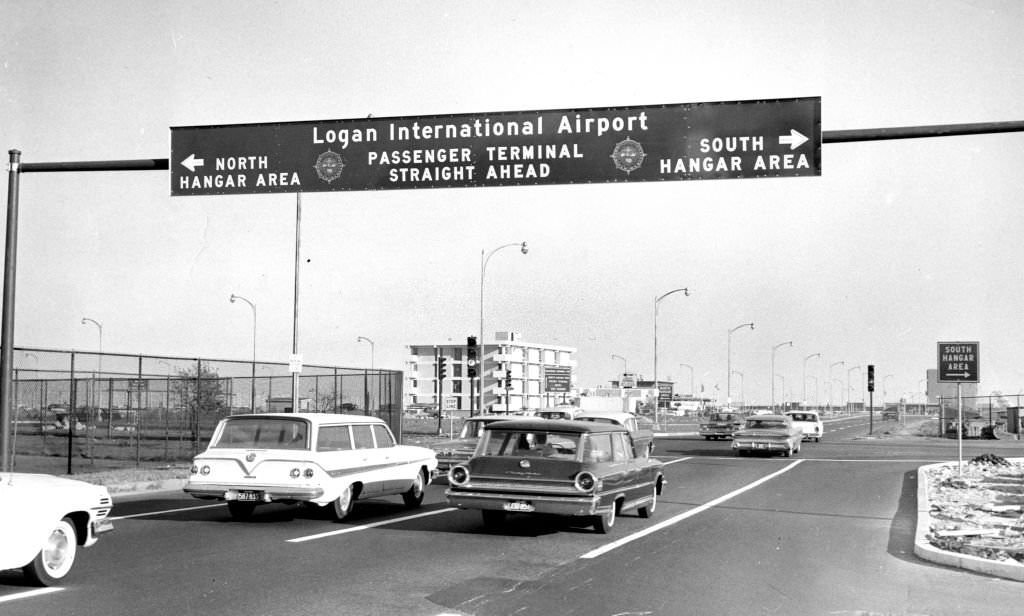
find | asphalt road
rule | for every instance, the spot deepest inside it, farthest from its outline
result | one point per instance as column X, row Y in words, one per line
column 829, row 531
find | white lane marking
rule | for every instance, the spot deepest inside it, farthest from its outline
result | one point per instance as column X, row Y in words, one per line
column 143, row 515
column 354, row 529
column 29, row 593
column 676, row 460
column 686, row 514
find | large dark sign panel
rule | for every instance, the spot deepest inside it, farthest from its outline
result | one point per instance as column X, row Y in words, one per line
column 694, row 141
column 958, row 362
column 557, row 379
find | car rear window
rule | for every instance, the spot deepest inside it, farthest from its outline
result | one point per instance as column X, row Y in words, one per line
column 530, row 444
column 263, row 433
column 768, row 424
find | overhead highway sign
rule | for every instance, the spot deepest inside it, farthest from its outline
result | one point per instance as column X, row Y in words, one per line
column 692, row 141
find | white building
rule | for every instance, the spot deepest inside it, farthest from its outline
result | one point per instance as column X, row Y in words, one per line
column 516, row 375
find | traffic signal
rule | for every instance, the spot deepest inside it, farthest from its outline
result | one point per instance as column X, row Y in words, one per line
column 871, row 377
column 441, row 373
column 471, row 356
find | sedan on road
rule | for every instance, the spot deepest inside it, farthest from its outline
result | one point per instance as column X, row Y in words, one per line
column 458, row 450
column 720, row 425
column 45, row 519
column 569, row 468
column 640, row 428
column 768, row 434
column 809, row 423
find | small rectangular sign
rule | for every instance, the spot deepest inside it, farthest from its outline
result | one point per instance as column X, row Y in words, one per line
column 690, row 141
column 958, row 362
column 557, row 379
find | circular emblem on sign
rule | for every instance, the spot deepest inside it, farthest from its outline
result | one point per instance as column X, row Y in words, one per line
column 628, row 155
column 250, row 457
column 329, row 166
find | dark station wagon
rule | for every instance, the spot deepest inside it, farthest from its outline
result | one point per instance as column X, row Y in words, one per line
column 569, row 468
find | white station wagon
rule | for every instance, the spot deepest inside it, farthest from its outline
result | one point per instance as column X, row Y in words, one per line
column 45, row 519
column 325, row 459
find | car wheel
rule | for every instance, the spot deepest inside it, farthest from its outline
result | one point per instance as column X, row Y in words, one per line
column 493, row 518
column 648, row 510
column 817, row 439
column 342, row 506
column 55, row 559
column 604, row 522
column 414, row 495
column 241, row 511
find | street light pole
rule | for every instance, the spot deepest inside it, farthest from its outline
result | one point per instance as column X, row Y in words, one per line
column 805, row 374
column 252, row 388
column 657, row 390
column 691, row 375
column 848, row 386
column 365, row 339
column 884, row 389
column 483, row 347
column 728, row 361
column 624, row 365
column 99, row 361
column 772, row 377
column 830, row 379
column 743, row 399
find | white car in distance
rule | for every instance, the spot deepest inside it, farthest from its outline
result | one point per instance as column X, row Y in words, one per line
column 809, row 423
column 324, row 459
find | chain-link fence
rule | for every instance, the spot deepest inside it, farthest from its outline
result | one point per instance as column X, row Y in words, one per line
column 112, row 410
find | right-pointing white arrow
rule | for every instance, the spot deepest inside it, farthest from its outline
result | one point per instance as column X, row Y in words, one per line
column 192, row 162
column 794, row 139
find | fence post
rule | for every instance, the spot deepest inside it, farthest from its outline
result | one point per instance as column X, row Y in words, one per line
column 138, row 420
column 195, row 413
column 71, row 411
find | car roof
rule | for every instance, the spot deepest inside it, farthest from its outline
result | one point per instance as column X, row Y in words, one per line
column 618, row 415
column 316, row 418
column 770, row 417
column 802, row 413
column 554, row 425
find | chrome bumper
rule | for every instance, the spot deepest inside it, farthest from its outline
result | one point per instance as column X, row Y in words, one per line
column 557, row 505
column 270, row 493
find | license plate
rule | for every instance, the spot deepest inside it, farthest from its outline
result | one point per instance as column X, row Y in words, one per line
column 519, row 506
column 249, row 496
column 761, row 445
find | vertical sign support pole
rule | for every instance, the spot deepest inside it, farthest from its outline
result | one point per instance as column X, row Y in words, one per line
column 295, row 307
column 959, row 432
column 7, row 333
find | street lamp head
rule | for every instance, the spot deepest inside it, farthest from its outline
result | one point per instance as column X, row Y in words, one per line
column 524, row 249
column 751, row 325
column 232, row 298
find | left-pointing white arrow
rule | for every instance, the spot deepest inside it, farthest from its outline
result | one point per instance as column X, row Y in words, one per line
column 794, row 139
column 192, row 162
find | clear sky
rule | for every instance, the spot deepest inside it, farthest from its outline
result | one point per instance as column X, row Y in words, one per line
column 896, row 246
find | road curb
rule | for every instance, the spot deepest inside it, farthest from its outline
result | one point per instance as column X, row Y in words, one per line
column 145, row 488
column 924, row 549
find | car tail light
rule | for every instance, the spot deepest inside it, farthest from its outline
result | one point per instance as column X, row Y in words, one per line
column 195, row 470
column 295, row 473
column 308, row 474
column 458, row 475
column 586, row 482
column 205, row 470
